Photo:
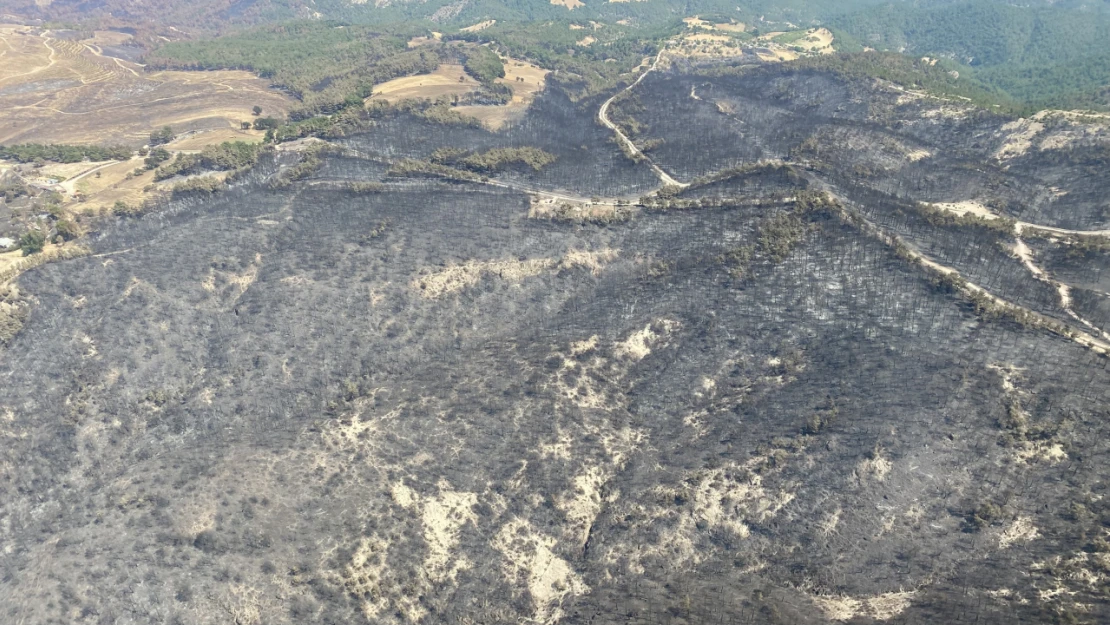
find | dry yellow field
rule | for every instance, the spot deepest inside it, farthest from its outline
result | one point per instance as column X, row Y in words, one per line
column 113, row 185
column 737, row 27
column 569, row 4
column 818, row 40
column 479, row 26
column 197, row 141
column 65, row 171
column 446, row 80
column 525, row 79
column 59, row 91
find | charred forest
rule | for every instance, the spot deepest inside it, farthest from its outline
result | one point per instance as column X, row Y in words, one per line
column 851, row 369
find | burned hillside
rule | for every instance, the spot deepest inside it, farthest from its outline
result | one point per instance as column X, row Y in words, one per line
column 854, row 371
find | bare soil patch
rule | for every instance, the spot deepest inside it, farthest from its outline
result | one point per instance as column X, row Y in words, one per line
column 569, row 4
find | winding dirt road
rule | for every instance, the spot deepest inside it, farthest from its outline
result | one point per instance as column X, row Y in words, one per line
column 603, row 116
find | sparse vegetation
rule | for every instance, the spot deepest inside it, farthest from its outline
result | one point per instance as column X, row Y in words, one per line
column 228, row 156
column 493, row 160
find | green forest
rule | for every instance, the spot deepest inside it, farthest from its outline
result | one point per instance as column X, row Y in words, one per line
column 1017, row 58
column 31, row 152
column 326, row 65
column 1038, row 57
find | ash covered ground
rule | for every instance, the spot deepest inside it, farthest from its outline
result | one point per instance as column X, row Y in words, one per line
column 788, row 393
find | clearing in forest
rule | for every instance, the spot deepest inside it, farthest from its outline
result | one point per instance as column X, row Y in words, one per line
column 525, row 79
column 416, row 42
column 479, row 26
column 818, row 40
column 569, row 4
column 446, row 80
column 66, row 91
column 195, row 142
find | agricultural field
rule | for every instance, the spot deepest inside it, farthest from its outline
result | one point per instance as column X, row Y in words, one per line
column 704, row 40
column 446, row 80
column 66, row 91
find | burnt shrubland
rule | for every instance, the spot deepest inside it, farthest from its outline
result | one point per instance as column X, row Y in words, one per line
column 365, row 397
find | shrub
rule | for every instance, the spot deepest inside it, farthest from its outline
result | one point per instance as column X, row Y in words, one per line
column 165, row 135
column 67, row 229
column 32, row 243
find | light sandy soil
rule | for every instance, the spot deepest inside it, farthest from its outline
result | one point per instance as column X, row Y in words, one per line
column 55, row 91
column 776, row 54
column 569, row 4
column 1019, row 138
column 967, row 207
column 586, row 41
column 530, row 561
column 879, row 607
column 479, row 26
column 446, row 80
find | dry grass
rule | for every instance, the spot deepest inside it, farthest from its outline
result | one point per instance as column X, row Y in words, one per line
column 1019, row 138
column 525, row 79
column 586, row 41
column 14, row 263
column 198, row 141
column 56, row 91
column 479, row 26
column 416, row 42
column 569, row 4
column 446, row 80
column 696, row 22
column 737, row 27
column 66, row 171
column 817, row 40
